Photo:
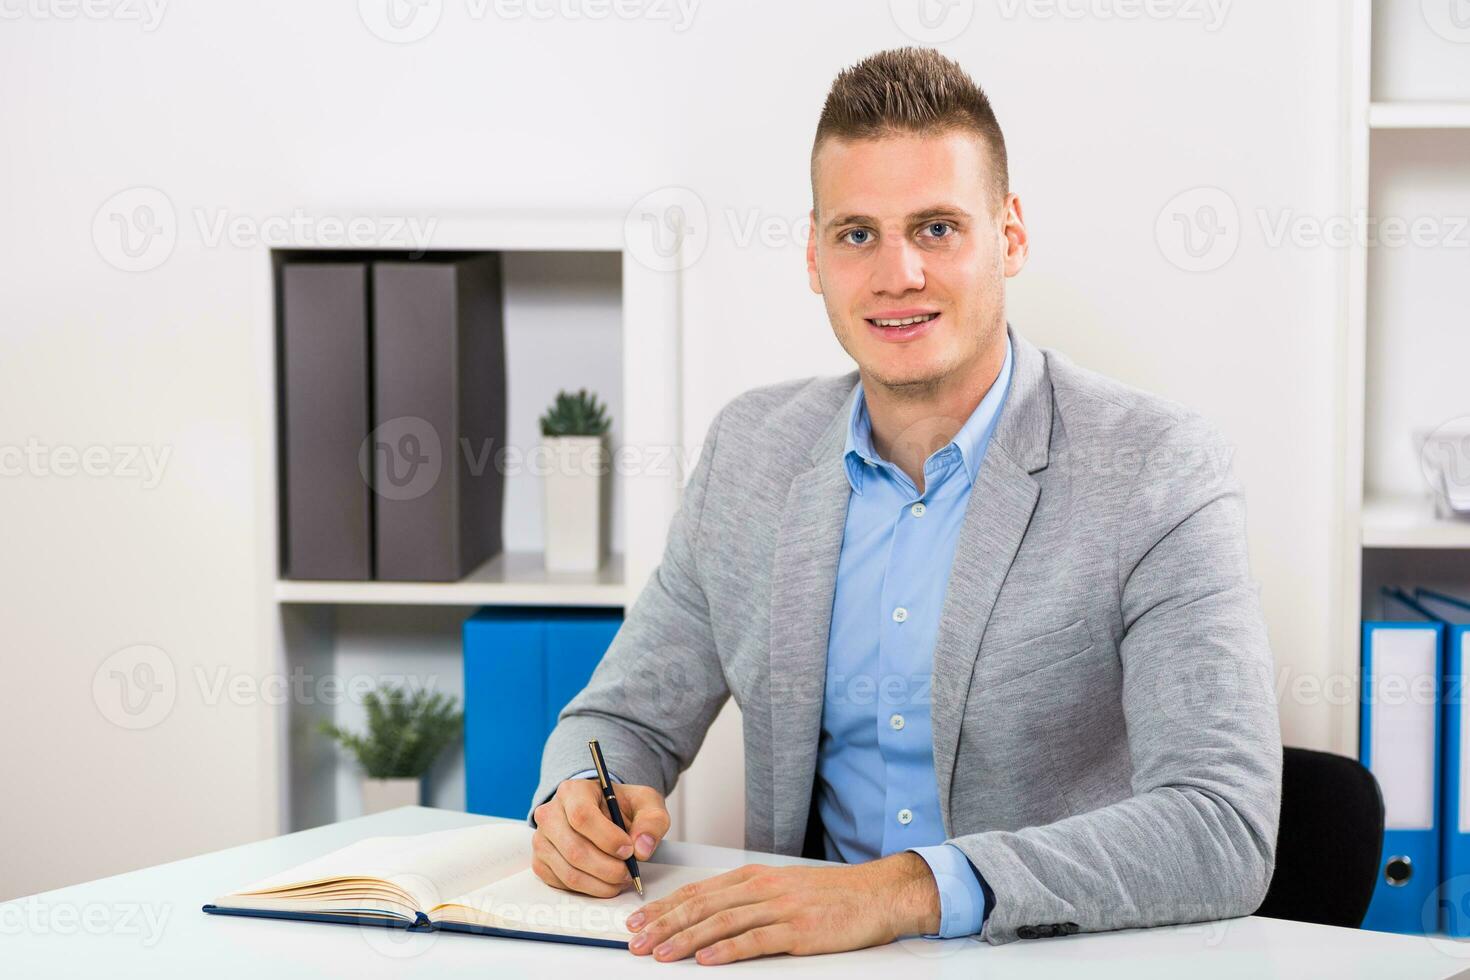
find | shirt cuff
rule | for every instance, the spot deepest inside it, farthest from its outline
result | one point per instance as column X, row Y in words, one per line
column 964, row 898
column 612, row 777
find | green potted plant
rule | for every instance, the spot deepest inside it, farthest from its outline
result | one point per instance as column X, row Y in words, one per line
column 575, row 523
column 405, row 734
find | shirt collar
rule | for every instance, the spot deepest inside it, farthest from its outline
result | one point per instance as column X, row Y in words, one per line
column 971, row 440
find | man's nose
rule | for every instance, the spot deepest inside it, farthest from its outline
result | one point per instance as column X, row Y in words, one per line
column 899, row 268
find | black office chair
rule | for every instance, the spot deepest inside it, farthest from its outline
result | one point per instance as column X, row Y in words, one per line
column 1329, row 843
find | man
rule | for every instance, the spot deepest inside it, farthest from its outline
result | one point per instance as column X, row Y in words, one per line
column 987, row 615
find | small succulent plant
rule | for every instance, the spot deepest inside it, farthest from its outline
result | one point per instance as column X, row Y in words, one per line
column 406, row 731
column 575, row 415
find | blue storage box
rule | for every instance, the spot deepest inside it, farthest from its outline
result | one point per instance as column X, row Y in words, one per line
column 521, row 667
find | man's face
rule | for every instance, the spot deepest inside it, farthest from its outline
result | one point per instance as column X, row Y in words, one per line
column 909, row 227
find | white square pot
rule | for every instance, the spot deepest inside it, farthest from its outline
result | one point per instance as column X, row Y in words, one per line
column 575, row 519
column 389, row 794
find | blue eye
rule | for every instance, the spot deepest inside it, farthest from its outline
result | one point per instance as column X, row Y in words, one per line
column 855, row 231
column 939, row 224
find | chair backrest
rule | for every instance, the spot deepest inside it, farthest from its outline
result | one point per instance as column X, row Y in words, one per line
column 1329, row 843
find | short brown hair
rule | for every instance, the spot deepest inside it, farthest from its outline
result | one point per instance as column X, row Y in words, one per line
column 908, row 91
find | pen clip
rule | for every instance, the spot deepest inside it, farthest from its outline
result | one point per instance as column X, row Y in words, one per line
column 598, row 764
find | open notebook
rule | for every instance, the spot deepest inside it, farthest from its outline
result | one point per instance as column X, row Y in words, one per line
column 475, row 879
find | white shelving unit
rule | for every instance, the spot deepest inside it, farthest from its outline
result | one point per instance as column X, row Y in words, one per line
column 1409, row 522
column 512, row 578
column 1407, row 333
column 580, row 310
column 1419, row 115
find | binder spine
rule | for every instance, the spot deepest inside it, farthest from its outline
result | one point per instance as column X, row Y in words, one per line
column 326, row 504
column 1399, row 742
column 1453, row 898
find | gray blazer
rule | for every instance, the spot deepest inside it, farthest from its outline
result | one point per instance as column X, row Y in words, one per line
column 1106, row 741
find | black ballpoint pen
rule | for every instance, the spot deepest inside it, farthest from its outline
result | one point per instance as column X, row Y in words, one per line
column 612, row 808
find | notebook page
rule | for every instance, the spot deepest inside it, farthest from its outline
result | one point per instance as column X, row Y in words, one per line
column 426, row 866
column 380, row 907
column 523, row 901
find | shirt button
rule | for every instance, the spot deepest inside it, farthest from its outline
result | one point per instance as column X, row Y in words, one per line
column 896, row 723
column 900, row 614
column 905, row 816
column 917, row 509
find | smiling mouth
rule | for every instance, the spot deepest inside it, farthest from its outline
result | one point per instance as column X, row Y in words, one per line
column 907, row 321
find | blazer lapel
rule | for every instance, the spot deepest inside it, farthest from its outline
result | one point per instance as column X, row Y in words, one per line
column 999, row 511
column 803, row 581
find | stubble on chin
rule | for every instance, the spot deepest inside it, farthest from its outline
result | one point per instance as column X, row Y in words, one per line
column 920, row 388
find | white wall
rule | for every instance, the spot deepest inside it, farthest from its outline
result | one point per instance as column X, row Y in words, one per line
column 253, row 110
column 1105, row 122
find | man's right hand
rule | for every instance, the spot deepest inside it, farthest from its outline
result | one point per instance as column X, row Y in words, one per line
column 578, row 848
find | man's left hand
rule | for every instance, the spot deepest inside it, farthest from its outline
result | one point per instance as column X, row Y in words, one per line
column 757, row 910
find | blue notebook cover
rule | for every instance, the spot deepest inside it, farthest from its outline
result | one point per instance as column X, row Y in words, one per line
column 421, row 924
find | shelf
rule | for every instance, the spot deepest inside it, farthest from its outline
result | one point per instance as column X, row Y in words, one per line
column 515, row 578
column 1409, row 522
column 574, row 281
column 1419, row 115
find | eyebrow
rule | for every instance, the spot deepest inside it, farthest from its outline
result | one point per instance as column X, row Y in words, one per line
column 938, row 211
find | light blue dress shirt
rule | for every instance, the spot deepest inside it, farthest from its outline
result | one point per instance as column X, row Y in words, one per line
column 877, row 793
column 876, row 789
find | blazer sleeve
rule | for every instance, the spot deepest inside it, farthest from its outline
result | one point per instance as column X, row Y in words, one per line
column 1197, row 838
column 654, row 694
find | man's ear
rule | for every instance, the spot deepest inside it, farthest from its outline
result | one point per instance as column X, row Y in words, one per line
column 1018, row 243
column 811, row 253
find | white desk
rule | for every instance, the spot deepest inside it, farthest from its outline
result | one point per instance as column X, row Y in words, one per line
column 148, row 924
